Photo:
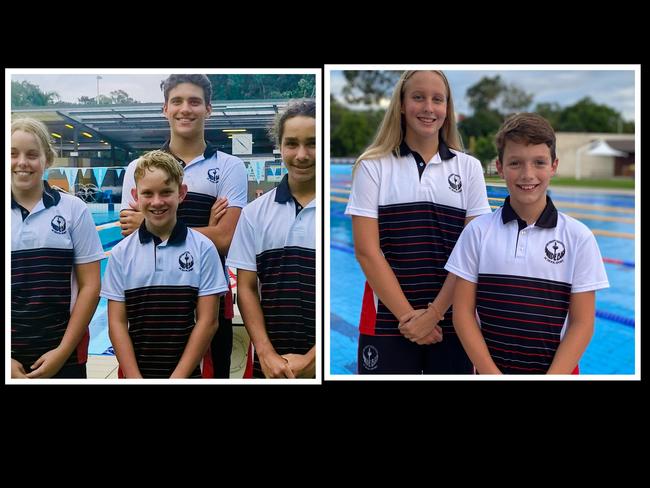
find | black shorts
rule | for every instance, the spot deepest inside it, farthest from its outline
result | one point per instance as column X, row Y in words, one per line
column 398, row 355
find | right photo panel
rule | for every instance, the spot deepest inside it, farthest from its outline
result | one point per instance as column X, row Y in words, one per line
column 482, row 222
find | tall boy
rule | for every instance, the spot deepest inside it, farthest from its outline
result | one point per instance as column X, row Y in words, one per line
column 211, row 177
column 528, row 271
column 162, row 282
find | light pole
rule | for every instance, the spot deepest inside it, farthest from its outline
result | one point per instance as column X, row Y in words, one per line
column 99, row 77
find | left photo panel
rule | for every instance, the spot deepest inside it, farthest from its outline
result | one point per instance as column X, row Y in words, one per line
column 165, row 226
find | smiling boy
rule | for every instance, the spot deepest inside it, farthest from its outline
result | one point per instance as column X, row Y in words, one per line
column 162, row 282
column 528, row 272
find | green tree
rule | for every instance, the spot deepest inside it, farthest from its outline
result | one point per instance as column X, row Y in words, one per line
column 262, row 86
column 369, row 87
column 515, row 99
column 551, row 112
column 351, row 131
column 485, row 149
column 120, row 97
column 25, row 94
column 482, row 123
column 484, row 93
column 588, row 116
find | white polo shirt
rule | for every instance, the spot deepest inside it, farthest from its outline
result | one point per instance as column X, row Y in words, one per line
column 212, row 175
column 276, row 238
column 421, row 209
column 160, row 283
column 46, row 243
column 525, row 275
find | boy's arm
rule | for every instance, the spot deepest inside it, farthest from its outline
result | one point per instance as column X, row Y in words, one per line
column 467, row 328
column 233, row 185
column 130, row 221
column 378, row 272
column 273, row 365
column 303, row 365
column 118, row 332
column 207, row 311
column 50, row 363
column 130, row 217
column 221, row 234
column 580, row 328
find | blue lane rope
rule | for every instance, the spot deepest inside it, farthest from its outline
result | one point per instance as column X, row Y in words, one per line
column 615, row 318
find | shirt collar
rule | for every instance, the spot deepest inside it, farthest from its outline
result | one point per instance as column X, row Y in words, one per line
column 210, row 151
column 443, row 149
column 283, row 192
column 178, row 235
column 547, row 220
column 50, row 197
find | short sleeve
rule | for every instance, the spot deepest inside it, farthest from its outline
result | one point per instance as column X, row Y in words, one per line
column 85, row 239
column 465, row 257
column 128, row 183
column 234, row 183
column 364, row 197
column 589, row 271
column 477, row 200
column 113, row 279
column 241, row 254
column 213, row 280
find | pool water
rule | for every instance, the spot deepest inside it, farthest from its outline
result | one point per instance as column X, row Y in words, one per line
column 611, row 350
column 109, row 235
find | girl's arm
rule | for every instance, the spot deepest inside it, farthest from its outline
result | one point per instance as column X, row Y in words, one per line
column 378, row 272
column 50, row 363
column 421, row 329
column 273, row 365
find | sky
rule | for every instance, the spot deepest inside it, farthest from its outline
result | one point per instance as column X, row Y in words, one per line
column 614, row 88
column 141, row 87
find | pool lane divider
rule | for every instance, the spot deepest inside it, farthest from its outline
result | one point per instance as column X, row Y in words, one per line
column 599, row 313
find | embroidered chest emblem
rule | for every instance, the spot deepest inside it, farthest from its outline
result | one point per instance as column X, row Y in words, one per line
column 186, row 261
column 58, row 225
column 554, row 252
column 213, row 175
column 455, row 184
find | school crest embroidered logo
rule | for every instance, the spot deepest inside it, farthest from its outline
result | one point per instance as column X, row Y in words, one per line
column 186, row 261
column 58, row 225
column 370, row 356
column 554, row 252
column 455, row 184
column 213, row 175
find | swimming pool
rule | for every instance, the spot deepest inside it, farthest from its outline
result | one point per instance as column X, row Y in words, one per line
column 109, row 235
column 611, row 218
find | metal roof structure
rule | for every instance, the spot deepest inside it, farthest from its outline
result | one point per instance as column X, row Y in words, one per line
column 143, row 126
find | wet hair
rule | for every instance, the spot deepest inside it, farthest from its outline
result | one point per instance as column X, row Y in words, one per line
column 161, row 160
column 199, row 80
column 526, row 128
column 393, row 127
column 297, row 108
column 39, row 131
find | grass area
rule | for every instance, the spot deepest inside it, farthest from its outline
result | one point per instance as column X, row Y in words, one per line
column 627, row 183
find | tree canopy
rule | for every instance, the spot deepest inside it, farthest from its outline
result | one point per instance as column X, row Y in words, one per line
column 263, row 86
column 25, row 94
column 491, row 100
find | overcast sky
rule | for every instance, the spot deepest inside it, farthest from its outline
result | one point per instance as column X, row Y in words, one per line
column 70, row 87
column 142, row 85
column 612, row 88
